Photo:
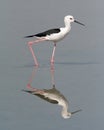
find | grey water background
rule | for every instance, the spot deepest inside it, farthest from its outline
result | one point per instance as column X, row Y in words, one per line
column 79, row 66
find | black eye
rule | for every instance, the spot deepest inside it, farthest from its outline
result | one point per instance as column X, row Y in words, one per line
column 71, row 18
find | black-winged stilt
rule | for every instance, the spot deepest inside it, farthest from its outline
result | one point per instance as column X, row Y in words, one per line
column 53, row 35
column 52, row 95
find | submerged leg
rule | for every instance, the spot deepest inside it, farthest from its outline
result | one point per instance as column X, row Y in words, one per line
column 31, row 50
column 53, row 53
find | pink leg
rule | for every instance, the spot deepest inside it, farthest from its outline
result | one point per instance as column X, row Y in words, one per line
column 53, row 54
column 32, row 52
column 34, row 57
column 34, row 90
column 32, row 77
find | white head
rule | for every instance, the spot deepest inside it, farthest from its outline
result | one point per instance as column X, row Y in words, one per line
column 66, row 115
column 69, row 19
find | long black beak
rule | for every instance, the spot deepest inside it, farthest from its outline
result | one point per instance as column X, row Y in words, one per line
column 76, row 111
column 78, row 22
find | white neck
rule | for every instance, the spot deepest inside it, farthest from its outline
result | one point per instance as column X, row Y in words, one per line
column 65, row 112
column 67, row 24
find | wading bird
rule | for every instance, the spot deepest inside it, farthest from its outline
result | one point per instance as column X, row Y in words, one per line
column 53, row 35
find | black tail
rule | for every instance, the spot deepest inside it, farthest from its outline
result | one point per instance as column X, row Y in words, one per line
column 29, row 36
column 28, row 91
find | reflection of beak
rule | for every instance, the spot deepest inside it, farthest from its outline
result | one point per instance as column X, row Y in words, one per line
column 76, row 111
column 78, row 22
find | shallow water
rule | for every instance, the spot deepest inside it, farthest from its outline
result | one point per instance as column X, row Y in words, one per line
column 79, row 62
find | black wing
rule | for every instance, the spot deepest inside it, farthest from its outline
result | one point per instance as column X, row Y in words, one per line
column 47, row 99
column 41, row 96
column 43, row 34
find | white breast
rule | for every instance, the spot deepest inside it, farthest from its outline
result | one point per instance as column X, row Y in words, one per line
column 58, row 36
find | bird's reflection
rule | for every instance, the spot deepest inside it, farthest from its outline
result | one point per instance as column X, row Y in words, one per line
column 52, row 95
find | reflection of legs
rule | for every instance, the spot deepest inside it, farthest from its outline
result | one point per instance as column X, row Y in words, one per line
column 52, row 76
column 53, row 53
column 29, row 87
column 32, row 77
column 32, row 52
